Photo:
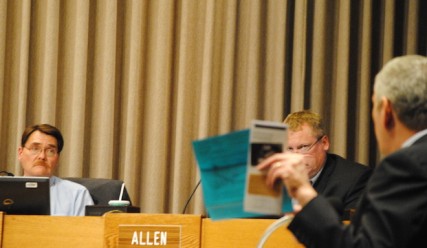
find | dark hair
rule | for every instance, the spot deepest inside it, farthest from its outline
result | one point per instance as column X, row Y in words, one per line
column 46, row 129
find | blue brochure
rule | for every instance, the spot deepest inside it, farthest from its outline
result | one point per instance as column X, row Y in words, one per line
column 222, row 161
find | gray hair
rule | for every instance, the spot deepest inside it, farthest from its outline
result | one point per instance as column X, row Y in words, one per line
column 403, row 80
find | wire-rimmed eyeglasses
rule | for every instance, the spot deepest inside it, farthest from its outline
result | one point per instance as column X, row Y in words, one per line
column 304, row 148
column 36, row 150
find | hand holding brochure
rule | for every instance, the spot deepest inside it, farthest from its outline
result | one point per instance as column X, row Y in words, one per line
column 232, row 187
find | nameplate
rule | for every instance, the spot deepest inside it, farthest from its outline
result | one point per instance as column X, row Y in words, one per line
column 149, row 235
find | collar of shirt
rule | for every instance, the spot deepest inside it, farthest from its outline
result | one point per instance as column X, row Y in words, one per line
column 414, row 138
column 53, row 180
column 313, row 179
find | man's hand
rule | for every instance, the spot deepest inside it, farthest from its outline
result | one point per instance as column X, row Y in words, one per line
column 291, row 170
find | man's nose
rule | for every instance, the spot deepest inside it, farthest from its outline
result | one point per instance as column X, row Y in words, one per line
column 42, row 154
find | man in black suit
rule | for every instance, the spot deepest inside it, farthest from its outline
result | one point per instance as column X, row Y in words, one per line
column 331, row 175
column 393, row 210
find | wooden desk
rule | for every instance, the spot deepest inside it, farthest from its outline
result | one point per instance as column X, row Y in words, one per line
column 52, row 231
column 104, row 231
column 89, row 231
column 1, row 228
column 244, row 233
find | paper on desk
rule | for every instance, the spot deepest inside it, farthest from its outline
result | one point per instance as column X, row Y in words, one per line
column 223, row 164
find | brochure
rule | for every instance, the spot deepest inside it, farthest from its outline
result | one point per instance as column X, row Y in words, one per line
column 232, row 187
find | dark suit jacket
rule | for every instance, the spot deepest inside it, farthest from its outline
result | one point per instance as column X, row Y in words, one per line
column 343, row 179
column 392, row 212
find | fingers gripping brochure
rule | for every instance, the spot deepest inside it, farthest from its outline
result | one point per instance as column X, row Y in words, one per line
column 266, row 138
column 228, row 175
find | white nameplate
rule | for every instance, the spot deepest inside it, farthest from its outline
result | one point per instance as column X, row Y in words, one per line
column 149, row 235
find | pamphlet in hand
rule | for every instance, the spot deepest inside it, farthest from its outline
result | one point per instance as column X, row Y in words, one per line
column 232, row 187
column 266, row 138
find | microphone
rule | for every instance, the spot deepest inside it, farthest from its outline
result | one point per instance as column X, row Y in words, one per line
column 191, row 196
column 285, row 220
column 119, row 202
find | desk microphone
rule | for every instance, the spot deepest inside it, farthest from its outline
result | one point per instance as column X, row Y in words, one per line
column 191, row 196
column 119, row 202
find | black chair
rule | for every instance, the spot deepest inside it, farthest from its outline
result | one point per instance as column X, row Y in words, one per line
column 102, row 190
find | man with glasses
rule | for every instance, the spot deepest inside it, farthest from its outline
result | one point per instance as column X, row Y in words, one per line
column 38, row 155
column 331, row 175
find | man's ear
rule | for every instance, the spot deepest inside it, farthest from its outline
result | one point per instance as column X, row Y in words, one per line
column 20, row 150
column 325, row 142
column 388, row 117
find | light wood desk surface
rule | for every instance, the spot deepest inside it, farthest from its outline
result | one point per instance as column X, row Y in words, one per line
column 103, row 231
column 1, row 228
column 52, row 231
column 88, row 231
column 244, row 233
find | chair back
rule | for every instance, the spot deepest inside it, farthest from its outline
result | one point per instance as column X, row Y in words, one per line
column 102, row 190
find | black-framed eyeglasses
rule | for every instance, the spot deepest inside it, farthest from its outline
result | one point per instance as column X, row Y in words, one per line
column 36, row 150
column 304, row 148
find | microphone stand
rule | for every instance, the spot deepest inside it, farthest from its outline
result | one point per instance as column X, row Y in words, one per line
column 191, row 196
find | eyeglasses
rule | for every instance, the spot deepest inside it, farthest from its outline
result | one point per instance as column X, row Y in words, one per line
column 36, row 150
column 304, row 148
